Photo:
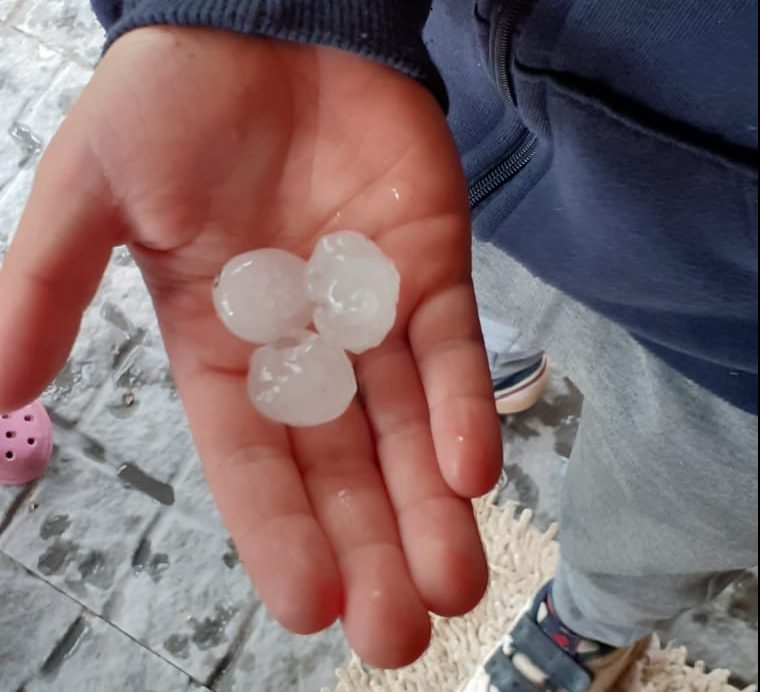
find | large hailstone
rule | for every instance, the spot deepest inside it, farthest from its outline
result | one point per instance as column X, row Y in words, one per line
column 356, row 288
column 259, row 295
column 301, row 380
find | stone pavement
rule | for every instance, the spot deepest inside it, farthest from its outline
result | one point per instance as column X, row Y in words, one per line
column 116, row 574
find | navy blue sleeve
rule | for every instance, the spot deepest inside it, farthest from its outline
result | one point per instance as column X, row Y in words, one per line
column 388, row 31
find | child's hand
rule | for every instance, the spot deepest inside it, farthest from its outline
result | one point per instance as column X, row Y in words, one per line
column 192, row 146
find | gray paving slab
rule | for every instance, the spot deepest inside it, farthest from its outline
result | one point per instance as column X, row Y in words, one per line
column 272, row 660
column 186, row 597
column 8, row 498
column 26, row 70
column 6, row 7
column 112, row 349
column 28, row 122
column 67, row 25
column 42, row 117
column 84, row 530
column 34, row 617
column 97, row 657
column 138, row 416
column 29, row 119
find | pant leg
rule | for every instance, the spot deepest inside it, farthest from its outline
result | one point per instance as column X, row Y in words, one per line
column 499, row 337
column 664, row 526
column 660, row 497
column 506, row 354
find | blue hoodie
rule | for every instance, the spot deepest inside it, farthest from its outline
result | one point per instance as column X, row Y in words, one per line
column 610, row 145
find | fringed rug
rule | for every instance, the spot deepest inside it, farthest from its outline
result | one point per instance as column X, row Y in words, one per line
column 521, row 559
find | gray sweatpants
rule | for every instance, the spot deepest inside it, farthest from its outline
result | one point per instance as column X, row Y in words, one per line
column 659, row 508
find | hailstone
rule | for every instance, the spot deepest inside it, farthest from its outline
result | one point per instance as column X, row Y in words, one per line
column 356, row 288
column 301, row 381
column 259, row 295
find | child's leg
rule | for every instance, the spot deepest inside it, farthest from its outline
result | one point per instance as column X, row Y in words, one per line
column 660, row 498
column 506, row 352
column 499, row 337
column 660, row 502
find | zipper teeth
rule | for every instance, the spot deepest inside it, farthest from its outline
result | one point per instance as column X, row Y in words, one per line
column 502, row 51
column 491, row 181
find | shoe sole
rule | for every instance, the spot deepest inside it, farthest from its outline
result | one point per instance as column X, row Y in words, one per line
column 479, row 682
column 525, row 395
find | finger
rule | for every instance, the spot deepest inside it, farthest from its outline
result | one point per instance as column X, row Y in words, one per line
column 53, row 267
column 385, row 620
column 261, row 496
column 447, row 344
column 438, row 529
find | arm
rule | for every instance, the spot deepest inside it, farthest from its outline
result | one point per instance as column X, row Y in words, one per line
column 192, row 145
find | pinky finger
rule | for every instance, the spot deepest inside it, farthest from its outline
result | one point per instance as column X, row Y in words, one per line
column 447, row 343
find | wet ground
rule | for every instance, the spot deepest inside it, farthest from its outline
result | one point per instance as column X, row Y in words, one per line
column 115, row 571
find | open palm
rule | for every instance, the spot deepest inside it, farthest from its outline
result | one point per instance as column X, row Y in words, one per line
column 192, row 146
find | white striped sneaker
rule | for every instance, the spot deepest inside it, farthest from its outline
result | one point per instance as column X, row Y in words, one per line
column 522, row 389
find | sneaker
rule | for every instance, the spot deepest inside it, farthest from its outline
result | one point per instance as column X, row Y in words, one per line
column 540, row 654
column 522, row 389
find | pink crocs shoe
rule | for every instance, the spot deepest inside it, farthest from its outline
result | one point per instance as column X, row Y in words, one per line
column 26, row 442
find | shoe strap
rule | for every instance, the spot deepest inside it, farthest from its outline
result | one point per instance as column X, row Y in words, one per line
column 561, row 668
column 504, row 676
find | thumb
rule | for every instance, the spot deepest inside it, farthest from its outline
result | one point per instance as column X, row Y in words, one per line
column 53, row 266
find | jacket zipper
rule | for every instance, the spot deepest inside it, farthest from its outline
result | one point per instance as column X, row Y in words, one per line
column 503, row 172
column 502, row 44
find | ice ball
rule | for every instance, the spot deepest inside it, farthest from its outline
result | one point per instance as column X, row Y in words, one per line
column 301, row 380
column 259, row 295
column 356, row 287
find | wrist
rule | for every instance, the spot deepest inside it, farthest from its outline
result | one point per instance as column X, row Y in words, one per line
column 384, row 31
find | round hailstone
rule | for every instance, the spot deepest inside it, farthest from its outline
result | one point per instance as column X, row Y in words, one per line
column 356, row 287
column 301, row 380
column 259, row 295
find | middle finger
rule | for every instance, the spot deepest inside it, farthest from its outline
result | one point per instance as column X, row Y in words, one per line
column 384, row 618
